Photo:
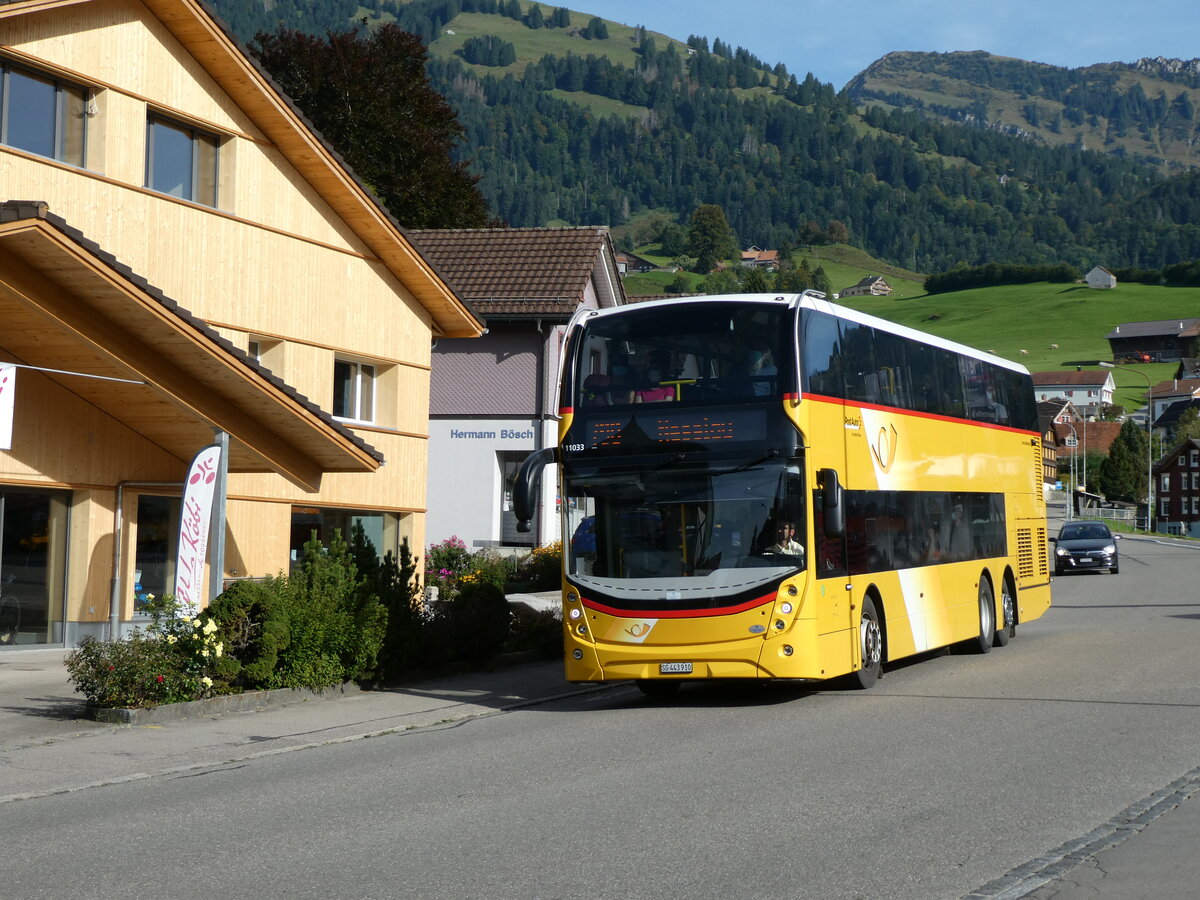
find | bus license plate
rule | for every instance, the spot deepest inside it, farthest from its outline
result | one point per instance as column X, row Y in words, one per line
column 675, row 668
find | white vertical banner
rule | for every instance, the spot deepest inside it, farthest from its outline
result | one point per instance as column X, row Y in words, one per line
column 8, row 397
column 195, row 515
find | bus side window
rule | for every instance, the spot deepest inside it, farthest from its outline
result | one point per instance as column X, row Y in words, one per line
column 822, row 355
column 858, row 361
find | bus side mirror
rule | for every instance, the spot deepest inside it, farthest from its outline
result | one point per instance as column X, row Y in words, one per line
column 834, row 508
column 529, row 476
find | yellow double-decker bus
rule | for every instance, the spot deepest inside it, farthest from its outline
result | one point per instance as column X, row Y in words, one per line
column 777, row 487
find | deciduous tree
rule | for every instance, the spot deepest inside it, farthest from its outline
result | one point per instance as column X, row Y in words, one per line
column 370, row 98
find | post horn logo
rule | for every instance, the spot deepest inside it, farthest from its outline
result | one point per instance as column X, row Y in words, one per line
column 640, row 630
column 884, row 447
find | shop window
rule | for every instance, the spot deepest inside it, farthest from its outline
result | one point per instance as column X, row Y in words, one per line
column 380, row 529
column 42, row 115
column 154, row 549
column 181, row 161
column 353, row 391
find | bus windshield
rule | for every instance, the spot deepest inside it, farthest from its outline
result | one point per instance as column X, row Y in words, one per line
column 685, row 532
column 695, row 352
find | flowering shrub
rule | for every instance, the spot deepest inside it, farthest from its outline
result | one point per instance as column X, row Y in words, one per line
column 167, row 663
column 446, row 563
column 541, row 570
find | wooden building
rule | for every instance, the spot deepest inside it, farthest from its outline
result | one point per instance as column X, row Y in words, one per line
column 183, row 258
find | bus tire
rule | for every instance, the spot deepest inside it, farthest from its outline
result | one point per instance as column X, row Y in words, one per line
column 653, row 687
column 1006, row 628
column 870, row 645
column 987, row 619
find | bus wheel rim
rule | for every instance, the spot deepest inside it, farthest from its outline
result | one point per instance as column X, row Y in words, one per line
column 872, row 642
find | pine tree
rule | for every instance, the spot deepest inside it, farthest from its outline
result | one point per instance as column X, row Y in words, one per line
column 1122, row 472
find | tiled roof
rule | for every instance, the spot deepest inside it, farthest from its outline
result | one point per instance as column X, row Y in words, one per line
column 1084, row 377
column 1094, row 436
column 519, row 271
column 1176, row 386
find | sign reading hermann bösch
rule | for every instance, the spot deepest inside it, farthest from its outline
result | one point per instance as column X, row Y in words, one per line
column 194, row 518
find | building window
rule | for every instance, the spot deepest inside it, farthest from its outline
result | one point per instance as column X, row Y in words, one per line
column 353, row 391
column 1195, row 458
column 254, row 350
column 1195, row 480
column 181, row 161
column 1163, row 507
column 1195, row 506
column 1166, row 482
column 42, row 115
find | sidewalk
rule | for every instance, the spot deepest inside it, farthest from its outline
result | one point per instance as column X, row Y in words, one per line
column 49, row 746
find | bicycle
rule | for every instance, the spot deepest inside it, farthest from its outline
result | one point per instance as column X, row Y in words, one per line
column 10, row 615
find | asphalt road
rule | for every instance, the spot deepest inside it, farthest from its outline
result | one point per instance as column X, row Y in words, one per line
column 952, row 771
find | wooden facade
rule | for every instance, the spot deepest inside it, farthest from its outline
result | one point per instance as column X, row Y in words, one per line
column 102, row 275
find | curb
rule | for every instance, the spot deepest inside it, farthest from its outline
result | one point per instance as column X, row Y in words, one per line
column 250, row 701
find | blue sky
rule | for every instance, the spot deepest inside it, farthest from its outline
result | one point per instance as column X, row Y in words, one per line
column 836, row 39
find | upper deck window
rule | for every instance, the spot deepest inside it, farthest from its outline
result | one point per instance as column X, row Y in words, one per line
column 693, row 353
column 181, row 161
column 42, row 115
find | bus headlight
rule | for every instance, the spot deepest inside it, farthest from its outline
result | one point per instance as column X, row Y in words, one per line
column 576, row 613
column 785, row 608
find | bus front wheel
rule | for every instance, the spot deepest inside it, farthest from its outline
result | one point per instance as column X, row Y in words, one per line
column 870, row 645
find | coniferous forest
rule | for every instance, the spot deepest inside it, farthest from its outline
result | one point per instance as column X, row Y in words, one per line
column 700, row 123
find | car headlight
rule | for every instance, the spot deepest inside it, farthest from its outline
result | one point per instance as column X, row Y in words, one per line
column 1110, row 549
column 1062, row 551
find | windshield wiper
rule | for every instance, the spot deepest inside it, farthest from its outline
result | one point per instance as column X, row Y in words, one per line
column 770, row 454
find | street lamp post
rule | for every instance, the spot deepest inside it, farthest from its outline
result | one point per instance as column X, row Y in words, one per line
column 1149, row 438
column 1074, row 486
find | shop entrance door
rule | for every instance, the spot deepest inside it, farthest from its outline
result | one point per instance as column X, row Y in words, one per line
column 33, row 543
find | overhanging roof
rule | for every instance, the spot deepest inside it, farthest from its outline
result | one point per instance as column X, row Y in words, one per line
column 68, row 306
column 224, row 59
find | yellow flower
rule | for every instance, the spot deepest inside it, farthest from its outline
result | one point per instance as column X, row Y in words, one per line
column 206, row 681
column 171, row 638
column 220, row 649
column 210, row 627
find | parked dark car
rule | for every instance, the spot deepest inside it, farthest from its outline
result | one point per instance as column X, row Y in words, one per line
column 1085, row 545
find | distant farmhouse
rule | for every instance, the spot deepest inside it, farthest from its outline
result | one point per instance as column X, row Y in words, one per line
column 1166, row 339
column 1100, row 278
column 872, row 285
column 754, row 258
column 632, row 264
column 1088, row 389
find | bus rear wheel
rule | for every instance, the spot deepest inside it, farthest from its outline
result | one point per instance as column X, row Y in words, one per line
column 1006, row 629
column 987, row 619
column 870, row 646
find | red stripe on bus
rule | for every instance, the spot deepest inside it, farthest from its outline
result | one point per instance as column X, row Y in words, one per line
column 566, row 410
column 821, row 398
column 677, row 613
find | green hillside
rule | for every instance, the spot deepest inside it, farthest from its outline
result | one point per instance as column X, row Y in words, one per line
column 1033, row 317
column 597, row 125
